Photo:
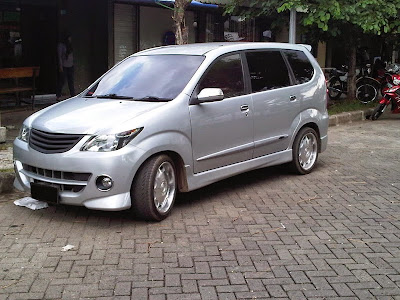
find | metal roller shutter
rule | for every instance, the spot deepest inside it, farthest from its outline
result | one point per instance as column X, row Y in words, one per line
column 125, row 31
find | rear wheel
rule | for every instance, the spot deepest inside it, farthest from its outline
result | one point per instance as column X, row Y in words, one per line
column 305, row 151
column 154, row 189
column 378, row 111
column 334, row 88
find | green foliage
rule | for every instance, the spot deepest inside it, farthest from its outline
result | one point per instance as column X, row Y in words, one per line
column 253, row 8
column 332, row 17
column 343, row 20
column 337, row 107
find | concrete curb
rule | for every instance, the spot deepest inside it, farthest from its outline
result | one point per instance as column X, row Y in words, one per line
column 349, row 117
column 7, row 178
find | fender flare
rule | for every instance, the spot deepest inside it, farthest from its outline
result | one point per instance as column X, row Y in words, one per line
column 180, row 151
column 311, row 117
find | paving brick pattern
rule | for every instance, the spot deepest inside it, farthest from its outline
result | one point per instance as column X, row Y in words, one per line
column 265, row 234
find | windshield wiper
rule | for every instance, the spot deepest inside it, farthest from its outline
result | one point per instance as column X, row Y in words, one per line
column 115, row 96
column 153, row 98
column 112, row 96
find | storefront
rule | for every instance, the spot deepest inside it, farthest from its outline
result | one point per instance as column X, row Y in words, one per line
column 28, row 37
column 31, row 29
column 104, row 32
column 143, row 24
column 10, row 36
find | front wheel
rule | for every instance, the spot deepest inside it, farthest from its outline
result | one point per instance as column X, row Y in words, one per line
column 366, row 93
column 154, row 189
column 378, row 111
column 305, row 151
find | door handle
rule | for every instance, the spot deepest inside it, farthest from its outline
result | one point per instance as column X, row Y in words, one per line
column 244, row 107
column 292, row 98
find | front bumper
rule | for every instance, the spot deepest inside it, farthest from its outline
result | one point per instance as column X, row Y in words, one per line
column 75, row 172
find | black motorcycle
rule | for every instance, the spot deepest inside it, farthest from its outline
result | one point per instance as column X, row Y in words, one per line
column 367, row 87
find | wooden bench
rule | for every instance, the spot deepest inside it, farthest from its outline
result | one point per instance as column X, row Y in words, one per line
column 16, row 87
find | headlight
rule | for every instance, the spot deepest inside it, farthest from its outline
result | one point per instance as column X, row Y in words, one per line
column 110, row 142
column 396, row 81
column 24, row 133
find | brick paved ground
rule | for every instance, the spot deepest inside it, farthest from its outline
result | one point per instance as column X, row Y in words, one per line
column 331, row 234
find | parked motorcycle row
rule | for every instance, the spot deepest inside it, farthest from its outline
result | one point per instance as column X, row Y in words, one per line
column 370, row 84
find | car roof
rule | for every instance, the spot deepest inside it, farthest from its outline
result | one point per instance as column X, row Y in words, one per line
column 218, row 48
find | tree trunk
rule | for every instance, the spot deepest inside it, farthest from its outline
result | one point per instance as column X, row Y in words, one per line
column 181, row 31
column 351, row 79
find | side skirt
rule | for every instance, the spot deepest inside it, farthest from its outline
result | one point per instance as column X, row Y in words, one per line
column 196, row 181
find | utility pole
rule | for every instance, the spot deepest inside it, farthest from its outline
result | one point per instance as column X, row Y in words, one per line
column 292, row 26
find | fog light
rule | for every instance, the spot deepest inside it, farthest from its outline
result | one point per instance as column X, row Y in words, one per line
column 104, row 183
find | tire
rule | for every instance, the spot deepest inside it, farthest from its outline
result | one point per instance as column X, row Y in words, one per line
column 368, row 80
column 305, row 151
column 154, row 189
column 378, row 111
column 334, row 88
column 366, row 93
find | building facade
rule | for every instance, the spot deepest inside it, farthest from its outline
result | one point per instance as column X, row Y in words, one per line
column 106, row 31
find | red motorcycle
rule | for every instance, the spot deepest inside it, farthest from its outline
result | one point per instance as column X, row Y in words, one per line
column 390, row 96
column 388, row 77
column 391, row 81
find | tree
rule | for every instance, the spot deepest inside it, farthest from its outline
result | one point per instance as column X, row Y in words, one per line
column 181, row 30
column 337, row 18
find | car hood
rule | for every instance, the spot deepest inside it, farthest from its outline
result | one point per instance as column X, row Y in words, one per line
column 89, row 115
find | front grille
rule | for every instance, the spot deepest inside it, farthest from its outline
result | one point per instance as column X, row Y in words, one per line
column 53, row 175
column 47, row 142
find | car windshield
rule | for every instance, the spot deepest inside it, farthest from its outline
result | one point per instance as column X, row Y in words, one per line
column 147, row 78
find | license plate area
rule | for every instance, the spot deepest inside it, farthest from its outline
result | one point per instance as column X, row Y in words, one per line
column 43, row 192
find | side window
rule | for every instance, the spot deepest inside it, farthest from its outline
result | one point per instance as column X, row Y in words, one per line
column 226, row 74
column 301, row 66
column 268, row 70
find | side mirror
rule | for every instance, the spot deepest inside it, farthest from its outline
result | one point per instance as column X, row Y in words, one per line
column 210, row 95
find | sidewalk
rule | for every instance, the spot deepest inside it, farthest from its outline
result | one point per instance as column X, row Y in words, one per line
column 12, row 120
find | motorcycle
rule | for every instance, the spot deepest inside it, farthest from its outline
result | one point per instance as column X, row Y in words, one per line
column 367, row 87
column 337, row 83
column 391, row 96
column 390, row 77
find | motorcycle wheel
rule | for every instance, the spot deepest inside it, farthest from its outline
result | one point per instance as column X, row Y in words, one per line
column 366, row 93
column 334, row 88
column 378, row 111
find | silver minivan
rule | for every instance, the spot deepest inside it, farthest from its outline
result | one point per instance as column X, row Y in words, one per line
column 173, row 119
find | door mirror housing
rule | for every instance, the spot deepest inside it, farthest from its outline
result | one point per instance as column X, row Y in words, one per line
column 210, row 95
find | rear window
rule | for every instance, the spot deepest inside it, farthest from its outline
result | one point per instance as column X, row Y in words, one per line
column 268, row 70
column 301, row 66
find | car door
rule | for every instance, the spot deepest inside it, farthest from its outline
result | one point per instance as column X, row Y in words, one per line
column 222, row 131
column 275, row 100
